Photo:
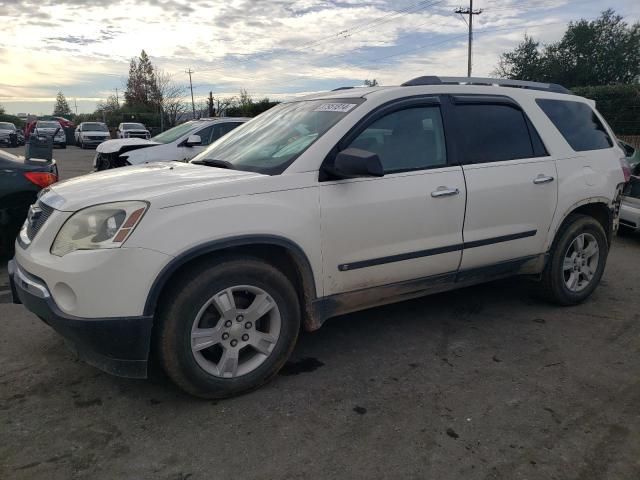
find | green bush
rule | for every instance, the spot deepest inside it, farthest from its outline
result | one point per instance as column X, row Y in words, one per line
column 618, row 104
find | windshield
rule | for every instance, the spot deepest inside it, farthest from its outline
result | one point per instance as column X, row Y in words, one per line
column 133, row 126
column 7, row 126
column 94, row 127
column 47, row 125
column 175, row 133
column 273, row 140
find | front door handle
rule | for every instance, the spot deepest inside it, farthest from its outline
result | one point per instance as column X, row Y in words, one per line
column 543, row 179
column 444, row 192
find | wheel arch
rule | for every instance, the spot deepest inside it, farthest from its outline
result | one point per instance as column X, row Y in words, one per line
column 598, row 208
column 280, row 252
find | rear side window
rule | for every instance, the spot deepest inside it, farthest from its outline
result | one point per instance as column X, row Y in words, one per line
column 578, row 124
column 494, row 133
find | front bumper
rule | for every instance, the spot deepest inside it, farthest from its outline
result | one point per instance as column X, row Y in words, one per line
column 119, row 345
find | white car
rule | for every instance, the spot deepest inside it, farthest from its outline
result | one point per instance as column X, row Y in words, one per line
column 91, row 134
column 321, row 206
column 132, row 130
column 51, row 128
column 181, row 143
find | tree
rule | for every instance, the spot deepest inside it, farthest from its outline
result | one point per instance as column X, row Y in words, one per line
column 523, row 63
column 371, row 83
column 110, row 105
column 2, row 110
column 170, row 97
column 244, row 102
column 142, row 90
column 61, row 108
column 604, row 51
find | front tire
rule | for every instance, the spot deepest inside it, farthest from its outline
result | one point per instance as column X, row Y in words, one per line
column 228, row 327
column 577, row 261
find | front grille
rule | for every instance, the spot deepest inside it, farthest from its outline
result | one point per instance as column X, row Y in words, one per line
column 96, row 138
column 37, row 218
column 137, row 135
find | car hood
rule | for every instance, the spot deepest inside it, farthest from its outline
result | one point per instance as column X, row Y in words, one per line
column 112, row 146
column 163, row 184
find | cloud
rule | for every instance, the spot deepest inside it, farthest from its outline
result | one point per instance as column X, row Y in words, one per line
column 271, row 47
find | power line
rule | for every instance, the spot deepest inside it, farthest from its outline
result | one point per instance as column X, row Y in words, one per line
column 414, row 8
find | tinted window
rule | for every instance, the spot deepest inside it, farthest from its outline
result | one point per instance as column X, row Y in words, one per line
column 222, row 129
column 409, row 139
column 577, row 123
column 205, row 135
column 492, row 133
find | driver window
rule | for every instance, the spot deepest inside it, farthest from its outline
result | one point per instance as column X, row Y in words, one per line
column 205, row 135
column 409, row 139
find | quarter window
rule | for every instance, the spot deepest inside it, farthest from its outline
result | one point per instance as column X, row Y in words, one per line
column 492, row 133
column 409, row 139
column 578, row 124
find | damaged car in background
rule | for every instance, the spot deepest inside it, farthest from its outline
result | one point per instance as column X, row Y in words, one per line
column 181, row 143
column 630, row 206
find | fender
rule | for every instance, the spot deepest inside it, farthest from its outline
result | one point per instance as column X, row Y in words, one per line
column 555, row 227
column 301, row 259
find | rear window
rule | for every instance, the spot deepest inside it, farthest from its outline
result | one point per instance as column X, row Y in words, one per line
column 493, row 133
column 578, row 124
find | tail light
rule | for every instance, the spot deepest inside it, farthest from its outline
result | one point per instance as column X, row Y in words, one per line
column 626, row 168
column 41, row 179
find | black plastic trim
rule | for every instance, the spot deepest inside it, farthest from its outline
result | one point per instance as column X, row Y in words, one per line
column 503, row 238
column 341, row 303
column 246, row 240
column 433, row 251
column 117, row 345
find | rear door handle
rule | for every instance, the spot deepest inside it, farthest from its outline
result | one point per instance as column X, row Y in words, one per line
column 444, row 192
column 543, row 179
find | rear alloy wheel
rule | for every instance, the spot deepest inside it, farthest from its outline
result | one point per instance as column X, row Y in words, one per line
column 576, row 261
column 228, row 327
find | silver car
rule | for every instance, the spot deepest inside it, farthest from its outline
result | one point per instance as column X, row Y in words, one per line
column 51, row 128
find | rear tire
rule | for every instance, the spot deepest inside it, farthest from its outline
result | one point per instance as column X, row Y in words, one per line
column 208, row 325
column 577, row 261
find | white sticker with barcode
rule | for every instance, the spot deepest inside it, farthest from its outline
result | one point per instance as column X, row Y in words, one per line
column 335, row 107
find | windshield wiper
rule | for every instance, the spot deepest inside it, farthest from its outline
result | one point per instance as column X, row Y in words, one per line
column 214, row 162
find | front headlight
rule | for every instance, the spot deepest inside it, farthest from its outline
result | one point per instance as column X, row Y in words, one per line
column 101, row 226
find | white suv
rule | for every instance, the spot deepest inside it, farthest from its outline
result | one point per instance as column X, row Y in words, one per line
column 181, row 143
column 318, row 207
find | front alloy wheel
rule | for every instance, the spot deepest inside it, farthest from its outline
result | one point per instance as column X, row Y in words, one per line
column 226, row 326
column 235, row 331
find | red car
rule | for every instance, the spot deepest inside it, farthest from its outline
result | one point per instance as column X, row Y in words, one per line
column 64, row 123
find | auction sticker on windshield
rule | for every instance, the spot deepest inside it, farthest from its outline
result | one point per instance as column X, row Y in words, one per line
column 334, row 107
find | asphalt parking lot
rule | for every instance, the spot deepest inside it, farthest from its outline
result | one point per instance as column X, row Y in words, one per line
column 481, row 383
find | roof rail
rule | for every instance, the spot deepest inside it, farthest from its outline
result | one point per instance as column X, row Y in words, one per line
column 342, row 88
column 500, row 82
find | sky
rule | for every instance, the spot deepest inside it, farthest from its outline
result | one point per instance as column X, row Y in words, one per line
column 274, row 48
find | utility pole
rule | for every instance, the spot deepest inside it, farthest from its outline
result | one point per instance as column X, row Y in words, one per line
column 212, row 110
column 471, row 12
column 117, row 99
column 75, row 103
column 193, row 104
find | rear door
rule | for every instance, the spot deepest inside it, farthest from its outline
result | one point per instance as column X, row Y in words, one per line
column 511, row 180
column 402, row 226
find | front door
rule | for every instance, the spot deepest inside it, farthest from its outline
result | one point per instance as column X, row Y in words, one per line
column 402, row 226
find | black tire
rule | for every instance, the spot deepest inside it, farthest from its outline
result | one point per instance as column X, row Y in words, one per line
column 63, row 146
column 552, row 285
column 176, row 314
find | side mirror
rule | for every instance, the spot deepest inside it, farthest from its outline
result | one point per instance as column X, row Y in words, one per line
column 354, row 162
column 193, row 140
